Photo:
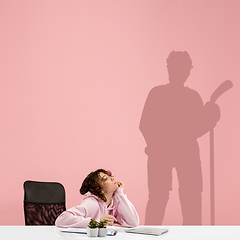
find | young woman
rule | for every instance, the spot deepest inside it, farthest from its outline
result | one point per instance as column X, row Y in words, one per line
column 101, row 197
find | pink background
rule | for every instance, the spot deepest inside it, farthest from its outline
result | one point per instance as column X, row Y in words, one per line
column 75, row 76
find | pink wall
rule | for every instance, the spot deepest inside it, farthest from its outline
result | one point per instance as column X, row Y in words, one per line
column 74, row 78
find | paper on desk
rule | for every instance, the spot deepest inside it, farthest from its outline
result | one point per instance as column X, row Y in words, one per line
column 75, row 230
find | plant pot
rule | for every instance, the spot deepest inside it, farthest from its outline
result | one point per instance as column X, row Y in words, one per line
column 102, row 232
column 92, row 232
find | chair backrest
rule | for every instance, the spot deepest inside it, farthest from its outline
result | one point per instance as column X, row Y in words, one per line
column 43, row 202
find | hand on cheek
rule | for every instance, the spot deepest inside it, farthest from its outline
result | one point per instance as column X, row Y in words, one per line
column 120, row 184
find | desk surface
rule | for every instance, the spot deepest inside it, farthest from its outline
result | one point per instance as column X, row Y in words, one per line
column 175, row 233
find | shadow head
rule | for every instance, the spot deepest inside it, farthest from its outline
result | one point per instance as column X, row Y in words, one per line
column 179, row 65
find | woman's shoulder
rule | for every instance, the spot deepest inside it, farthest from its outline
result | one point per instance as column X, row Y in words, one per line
column 91, row 199
column 86, row 207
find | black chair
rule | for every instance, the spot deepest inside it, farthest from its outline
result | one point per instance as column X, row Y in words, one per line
column 43, row 202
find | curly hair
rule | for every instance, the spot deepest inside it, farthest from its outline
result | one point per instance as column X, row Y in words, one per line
column 92, row 183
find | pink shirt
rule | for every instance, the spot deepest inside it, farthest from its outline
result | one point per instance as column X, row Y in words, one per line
column 94, row 207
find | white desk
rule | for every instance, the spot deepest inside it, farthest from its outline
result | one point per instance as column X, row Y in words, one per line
column 175, row 233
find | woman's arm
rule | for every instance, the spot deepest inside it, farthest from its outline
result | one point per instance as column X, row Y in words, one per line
column 78, row 216
column 126, row 213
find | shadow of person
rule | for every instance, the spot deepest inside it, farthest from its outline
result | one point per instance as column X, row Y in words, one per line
column 173, row 118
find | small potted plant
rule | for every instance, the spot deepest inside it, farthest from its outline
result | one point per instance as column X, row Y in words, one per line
column 92, row 230
column 102, row 232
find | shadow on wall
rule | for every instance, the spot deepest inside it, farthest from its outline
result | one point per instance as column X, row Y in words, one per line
column 173, row 118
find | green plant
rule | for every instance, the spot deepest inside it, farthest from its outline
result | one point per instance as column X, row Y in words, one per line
column 93, row 224
column 102, row 224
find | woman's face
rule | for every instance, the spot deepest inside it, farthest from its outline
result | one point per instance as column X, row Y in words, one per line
column 109, row 185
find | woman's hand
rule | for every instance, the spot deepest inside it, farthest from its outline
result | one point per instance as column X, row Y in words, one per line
column 109, row 218
column 120, row 184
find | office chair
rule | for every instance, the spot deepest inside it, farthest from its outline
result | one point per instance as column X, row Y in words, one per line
column 43, row 202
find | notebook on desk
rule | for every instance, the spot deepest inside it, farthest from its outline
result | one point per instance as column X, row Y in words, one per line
column 147, row 230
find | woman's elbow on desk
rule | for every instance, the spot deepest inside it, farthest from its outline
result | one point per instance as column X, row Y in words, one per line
column 130, row 223
column 65, row 219
column 135, row 223
column 59, row 222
